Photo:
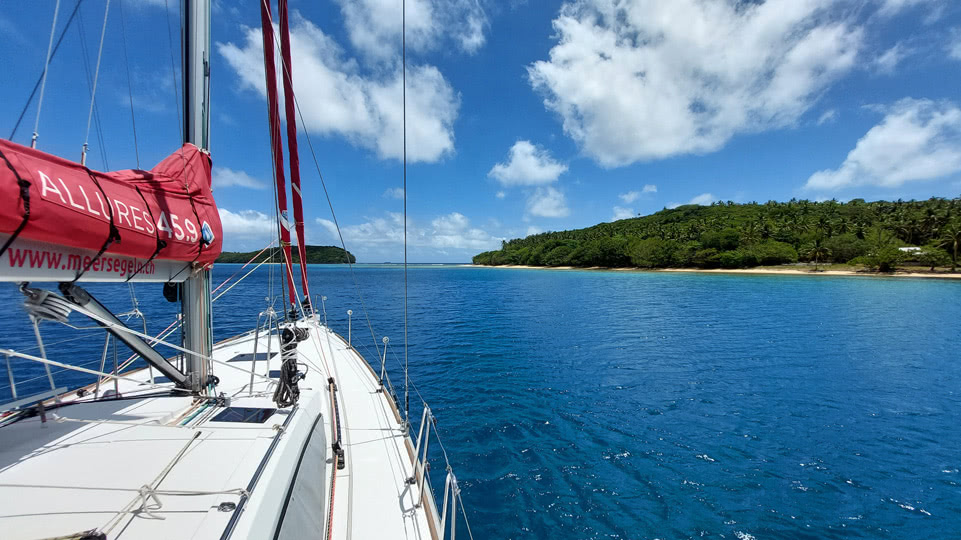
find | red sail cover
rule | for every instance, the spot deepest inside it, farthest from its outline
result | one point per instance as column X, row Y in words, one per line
column 68, row 208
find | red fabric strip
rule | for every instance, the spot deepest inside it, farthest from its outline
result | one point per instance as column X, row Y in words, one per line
column 270, row 71
column 292, row 154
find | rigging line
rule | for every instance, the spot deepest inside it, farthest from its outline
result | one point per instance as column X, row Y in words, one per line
column 96, row 76
column 46, row 67
column 252, row 270
column 173, row 69
column 48, row 362
column 403, row 19
column 126, row 63
column 96, row 108
column 242, row 267
column 333, row 215
column 106, row 324
column 36, row 85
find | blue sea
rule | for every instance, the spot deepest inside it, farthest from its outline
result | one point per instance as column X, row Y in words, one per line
column 592, row 404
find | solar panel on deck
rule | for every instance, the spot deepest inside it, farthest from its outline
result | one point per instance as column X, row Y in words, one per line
column 246, row 415
column 247, row 357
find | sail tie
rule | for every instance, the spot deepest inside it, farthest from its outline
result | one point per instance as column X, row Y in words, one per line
column 24, row 196
column 112, row 236
column 160, row 243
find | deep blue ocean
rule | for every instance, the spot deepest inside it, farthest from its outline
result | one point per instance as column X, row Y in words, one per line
column 591, row 404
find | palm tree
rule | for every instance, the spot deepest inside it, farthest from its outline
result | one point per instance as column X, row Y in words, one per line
column 817, row 251
column 951, row 238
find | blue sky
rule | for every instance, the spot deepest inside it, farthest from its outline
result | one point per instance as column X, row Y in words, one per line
column 523, row 116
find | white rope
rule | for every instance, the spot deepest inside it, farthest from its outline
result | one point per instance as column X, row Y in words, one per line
column 96, row 75
column 206, row 427
column 43, row 83
column 146, row 490
column 171, row 492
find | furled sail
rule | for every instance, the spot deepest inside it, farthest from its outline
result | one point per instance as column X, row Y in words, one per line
column 62, row 221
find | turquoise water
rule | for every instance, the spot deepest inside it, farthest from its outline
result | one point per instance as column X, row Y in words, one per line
column 580, row 404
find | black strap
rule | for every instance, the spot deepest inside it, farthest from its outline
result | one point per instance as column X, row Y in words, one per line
column 112, row 236
column 160, row 243
column 200, row 239
column 25, row 197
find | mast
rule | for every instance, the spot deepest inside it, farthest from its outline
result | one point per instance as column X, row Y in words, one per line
column 195, row 296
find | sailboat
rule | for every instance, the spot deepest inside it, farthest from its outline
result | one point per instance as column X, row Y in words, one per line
column 285, row 431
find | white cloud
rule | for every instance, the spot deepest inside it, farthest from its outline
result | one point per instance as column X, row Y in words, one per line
column 452, row 231
column 336, row 98
column 704, row 199
column 649, row 79
column 225, row 177
column 527, row 165
column 247, row 229
column 917, row 140
column 622, row 213
column 892, row 7
column 887, row 62
column 532, row 230
column 394, row 193
column 829, row 115
column 547, row 202
column 954, row 47
column 501, row 194
column 374, row 25
column 632, row 196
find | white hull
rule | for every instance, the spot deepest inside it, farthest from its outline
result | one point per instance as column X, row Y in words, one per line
column 93, row 466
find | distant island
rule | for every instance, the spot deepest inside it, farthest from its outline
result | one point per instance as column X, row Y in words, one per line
column 315, row 255
column 876, row 236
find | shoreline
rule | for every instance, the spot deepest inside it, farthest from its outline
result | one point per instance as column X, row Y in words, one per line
column 743, row 271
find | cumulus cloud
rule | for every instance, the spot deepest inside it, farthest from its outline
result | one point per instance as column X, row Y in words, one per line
column 501, row 194
column 225, row 177
column 632, row 196
column 645, row 80
column 527, row 165
column 622, row 213
column 917, row 140
column 449, row 231
column 337, row 98
column 247, row 229
column 373, row 26
column 547, row 202
column 394, row 193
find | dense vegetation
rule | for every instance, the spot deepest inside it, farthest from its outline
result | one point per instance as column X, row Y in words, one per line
column 730, row 235
column 315, row 255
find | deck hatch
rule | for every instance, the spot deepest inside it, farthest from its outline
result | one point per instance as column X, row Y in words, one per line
column 247, row 357
column 244, row 415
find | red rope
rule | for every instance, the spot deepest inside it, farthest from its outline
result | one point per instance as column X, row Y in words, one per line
column 292, row 154
column 270, row 71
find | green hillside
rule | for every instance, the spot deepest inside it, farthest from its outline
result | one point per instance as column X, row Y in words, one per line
column 730, row 235
column 315, row 255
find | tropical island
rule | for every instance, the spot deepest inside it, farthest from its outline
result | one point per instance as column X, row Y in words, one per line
column 315, row 255
column 876, row 236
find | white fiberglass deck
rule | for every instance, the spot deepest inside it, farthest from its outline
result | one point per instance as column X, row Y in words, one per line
column 156, row 465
